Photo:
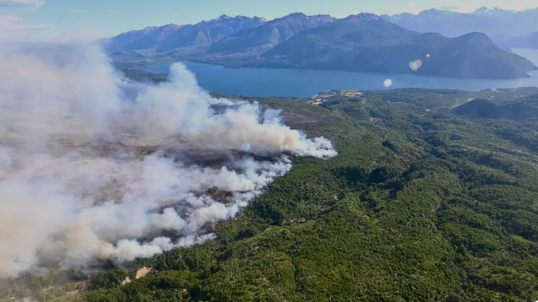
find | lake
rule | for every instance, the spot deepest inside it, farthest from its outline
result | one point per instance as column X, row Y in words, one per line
column 306, row 83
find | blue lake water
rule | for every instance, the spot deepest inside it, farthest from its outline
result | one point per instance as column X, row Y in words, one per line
column 306, row 83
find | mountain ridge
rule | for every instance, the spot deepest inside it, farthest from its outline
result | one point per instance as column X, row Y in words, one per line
column 363, row 42
column 493, row 22
column 270, row 33
column 171, row 36
column 470, row 56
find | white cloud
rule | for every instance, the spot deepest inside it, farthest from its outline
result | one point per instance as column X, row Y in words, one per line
column 82, row 32
column 32, row 26
column 21, row 2
column 14, row 23
column 13, row 27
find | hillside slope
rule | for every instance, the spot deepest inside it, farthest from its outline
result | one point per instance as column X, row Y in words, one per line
column 371, row 44
column 173, row 36
column 269, row 34
column 526, row 108
column 421, row 204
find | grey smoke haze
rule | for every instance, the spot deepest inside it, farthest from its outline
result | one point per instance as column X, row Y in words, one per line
column 77, row 183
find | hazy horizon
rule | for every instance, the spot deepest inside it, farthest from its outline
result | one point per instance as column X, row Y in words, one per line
column 65, row 20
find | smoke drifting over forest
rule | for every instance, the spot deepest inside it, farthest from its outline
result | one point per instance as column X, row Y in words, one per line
column 93, row 167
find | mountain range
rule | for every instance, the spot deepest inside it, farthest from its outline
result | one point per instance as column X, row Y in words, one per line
column 525, row 41
column 172, row 36
column 492, row 22
column 363, row 42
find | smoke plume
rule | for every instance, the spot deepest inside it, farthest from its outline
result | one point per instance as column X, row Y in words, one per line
column 95, row 167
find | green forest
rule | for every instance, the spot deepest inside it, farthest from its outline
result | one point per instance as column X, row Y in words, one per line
column 432, row 197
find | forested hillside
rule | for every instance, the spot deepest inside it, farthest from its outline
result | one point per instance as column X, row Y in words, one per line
column 422, row 203
column 369, row 43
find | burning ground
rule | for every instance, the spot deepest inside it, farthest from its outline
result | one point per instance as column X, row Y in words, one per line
column 93, row 167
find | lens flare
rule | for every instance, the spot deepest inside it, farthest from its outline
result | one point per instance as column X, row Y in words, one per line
column 415, row 65
column 388, row 83
column 428, row 56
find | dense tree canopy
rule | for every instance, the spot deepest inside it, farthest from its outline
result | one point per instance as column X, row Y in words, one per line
column 423, row 203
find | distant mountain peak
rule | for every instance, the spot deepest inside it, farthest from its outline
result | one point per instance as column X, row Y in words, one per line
column 295, row 15
column 172, row 26
column 368, row 16
column 491, row 21
column 481, row 10
column 363, row 17
column 225, row 17
column 475, row 36
column 434, row 11
column 291, row 16
column 172, row 36
column 326, row 18
column 491, row 11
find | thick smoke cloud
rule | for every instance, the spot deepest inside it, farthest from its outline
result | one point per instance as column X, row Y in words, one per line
column 94, row 167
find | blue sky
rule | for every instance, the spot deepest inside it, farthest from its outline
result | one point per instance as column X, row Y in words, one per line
column 57, row 19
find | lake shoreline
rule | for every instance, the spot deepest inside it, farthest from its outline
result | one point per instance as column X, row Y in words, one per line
column 417, row 74
column 304, row 83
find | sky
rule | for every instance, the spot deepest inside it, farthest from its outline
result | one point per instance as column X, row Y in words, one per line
column 56, row 20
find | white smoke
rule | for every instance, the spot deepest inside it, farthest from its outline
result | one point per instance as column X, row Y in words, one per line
column 93, row 167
